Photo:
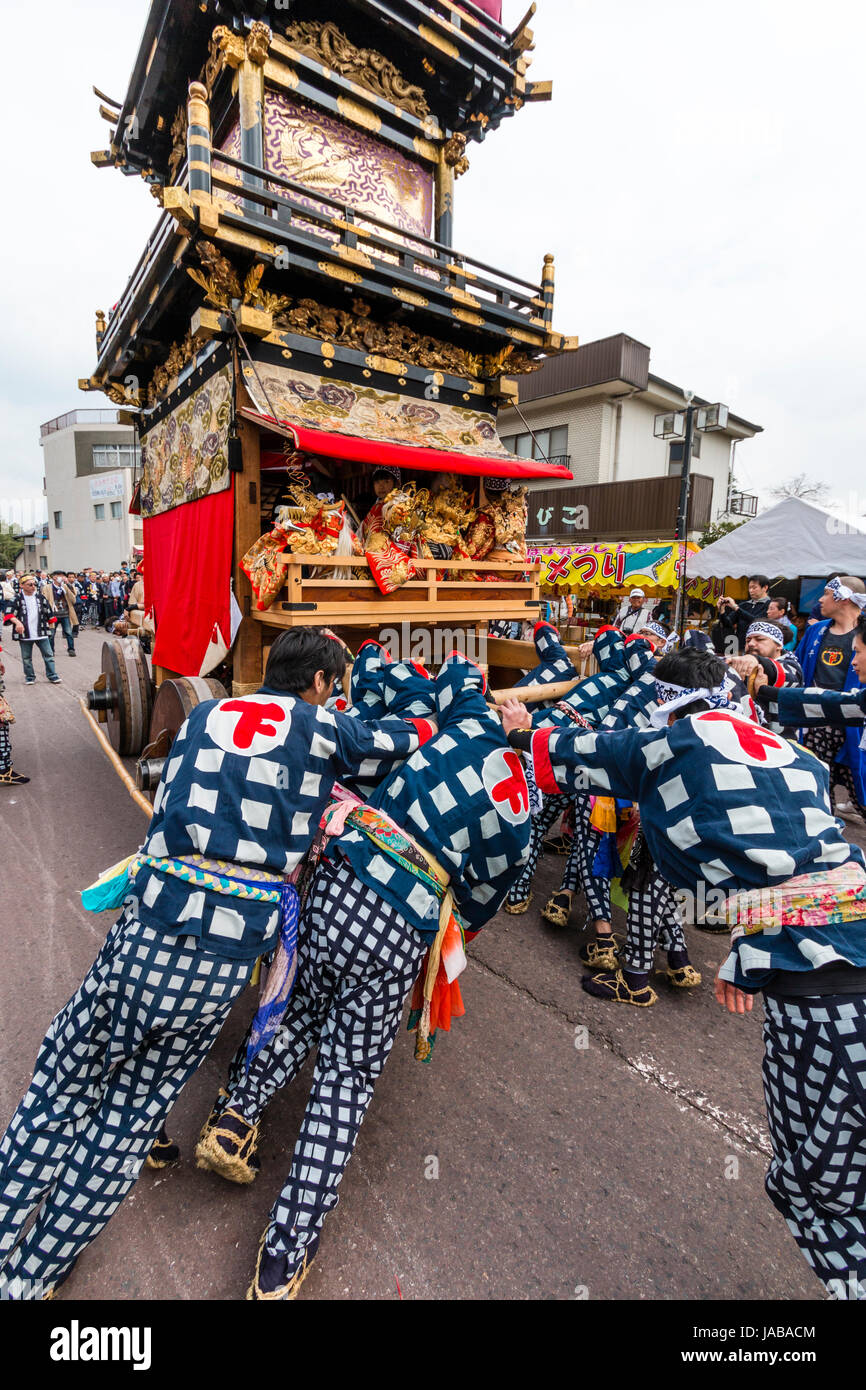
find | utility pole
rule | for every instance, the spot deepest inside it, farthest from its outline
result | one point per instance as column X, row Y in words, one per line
column 683, row 516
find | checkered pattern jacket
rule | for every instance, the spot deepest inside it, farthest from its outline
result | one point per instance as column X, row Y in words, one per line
column 593, row 697
column 464, row 798
column 723, row 802
column 384, row 690
column 553, row 663
column 814, row 707
column 633, row 707
column 247, row 782
column 47, row 617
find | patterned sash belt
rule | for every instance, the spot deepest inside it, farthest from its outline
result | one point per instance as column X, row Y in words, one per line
column 221, row 876
column 247, row 882
column 809, row 900
column 439, row 997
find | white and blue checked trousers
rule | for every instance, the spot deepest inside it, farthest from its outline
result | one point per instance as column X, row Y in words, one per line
column 815, row 1089
column 357, row 961
column 110, row 1067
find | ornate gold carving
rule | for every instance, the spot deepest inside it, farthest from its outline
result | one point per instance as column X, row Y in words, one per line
column 120, row 395
column 409, row 297
column 226, row 49
column 178, row 356
column 372, row 70
column 223, row 288
column 258, row 42
column 178, row 142
column 454, row 153
column 221, row 284
column 397, row 342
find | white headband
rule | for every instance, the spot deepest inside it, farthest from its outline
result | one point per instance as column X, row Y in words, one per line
column 842, row 593
column 674, row 697
column 762, row 629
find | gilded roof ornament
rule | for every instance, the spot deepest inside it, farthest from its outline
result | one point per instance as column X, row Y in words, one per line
column 324, row 42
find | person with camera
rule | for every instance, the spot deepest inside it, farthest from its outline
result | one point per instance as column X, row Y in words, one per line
column 735, row 619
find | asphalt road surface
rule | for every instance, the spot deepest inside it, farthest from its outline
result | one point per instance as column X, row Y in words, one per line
column 557, row 1148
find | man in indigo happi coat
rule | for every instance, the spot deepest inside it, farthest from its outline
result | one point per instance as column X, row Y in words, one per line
column 729, row 805
column 450, row 826
column 240, row 800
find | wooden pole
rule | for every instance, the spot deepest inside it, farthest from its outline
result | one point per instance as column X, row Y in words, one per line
column 444, row 191
column 247, row 669
column 251, row 92
column 198, row 143
column 141, row 801
column 532, row 694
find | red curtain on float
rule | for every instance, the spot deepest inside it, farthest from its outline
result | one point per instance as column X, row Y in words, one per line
column 187, row 578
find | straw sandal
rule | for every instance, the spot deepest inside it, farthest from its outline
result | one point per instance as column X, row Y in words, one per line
column 616, row 988
column 230, row 1152
column 164, row 1153
column 558, row 909
column 557, row 844
column 684, row 976
column 598, row 956
column 517, row 909
column 285, row 1293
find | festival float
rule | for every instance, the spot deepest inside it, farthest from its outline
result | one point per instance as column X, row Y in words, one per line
column 299, row 322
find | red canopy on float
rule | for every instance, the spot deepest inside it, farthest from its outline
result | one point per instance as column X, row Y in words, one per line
column 354, row 449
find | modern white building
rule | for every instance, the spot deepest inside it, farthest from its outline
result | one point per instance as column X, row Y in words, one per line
column 36, row 554
column 594, row 409
column 90, row 465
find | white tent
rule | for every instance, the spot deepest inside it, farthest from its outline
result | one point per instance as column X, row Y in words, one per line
column 793, row 538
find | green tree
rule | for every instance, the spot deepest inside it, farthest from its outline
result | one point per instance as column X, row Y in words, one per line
column 716, row 530
column 11, row 546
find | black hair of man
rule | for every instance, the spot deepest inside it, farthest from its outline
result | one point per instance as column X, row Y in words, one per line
column 861, row 628
column 693, row 670
column 298, row 654
column 761, row 579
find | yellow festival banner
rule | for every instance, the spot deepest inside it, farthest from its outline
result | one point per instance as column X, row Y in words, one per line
column 624, row 565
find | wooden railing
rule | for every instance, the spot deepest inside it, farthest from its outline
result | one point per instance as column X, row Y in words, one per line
column 358, row 602
column 424, row 266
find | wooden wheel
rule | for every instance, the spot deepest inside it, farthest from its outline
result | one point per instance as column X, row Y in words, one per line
column 175, row 700
column 123, row 695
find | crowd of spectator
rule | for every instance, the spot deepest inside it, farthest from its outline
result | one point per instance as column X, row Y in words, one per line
column 68, row 602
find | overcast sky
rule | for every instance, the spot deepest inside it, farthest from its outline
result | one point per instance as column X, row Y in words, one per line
column 699, row 176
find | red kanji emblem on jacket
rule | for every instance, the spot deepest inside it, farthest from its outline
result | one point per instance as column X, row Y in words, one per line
column 253, row 725
column 505, row 783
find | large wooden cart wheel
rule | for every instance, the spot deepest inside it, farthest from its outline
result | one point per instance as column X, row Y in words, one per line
column 123, row 695
column 175, row 701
